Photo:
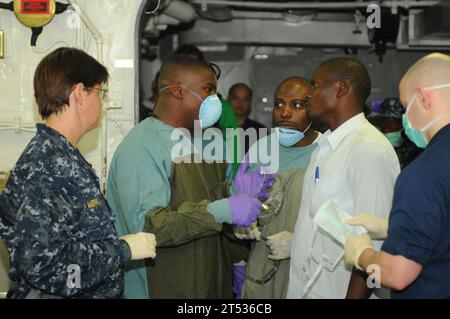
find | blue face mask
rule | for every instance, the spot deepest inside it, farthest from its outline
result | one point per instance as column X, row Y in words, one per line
column 210, row 109
column 415, row 135
column 289, row 137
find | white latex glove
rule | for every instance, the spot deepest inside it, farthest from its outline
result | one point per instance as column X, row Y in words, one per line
column 142, row 245
column 354, row 247
column 376, row 226
column 280, row 244
column 250, row 233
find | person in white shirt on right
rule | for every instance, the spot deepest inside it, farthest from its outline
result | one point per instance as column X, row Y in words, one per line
column 355, row 166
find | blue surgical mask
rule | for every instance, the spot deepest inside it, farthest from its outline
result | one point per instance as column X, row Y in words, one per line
column 289, row 137
column 395, row 138
column 210, row 109
column 417, row 136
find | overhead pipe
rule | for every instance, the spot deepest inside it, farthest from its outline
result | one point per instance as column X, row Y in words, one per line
column 315, row 5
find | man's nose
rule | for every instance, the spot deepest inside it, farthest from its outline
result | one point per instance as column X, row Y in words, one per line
column 242, row 103
column 286, row 112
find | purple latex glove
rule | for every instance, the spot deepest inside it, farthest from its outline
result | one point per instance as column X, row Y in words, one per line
column 238, row 280
column 375, row 106
column 254, row 184
column 244, row 210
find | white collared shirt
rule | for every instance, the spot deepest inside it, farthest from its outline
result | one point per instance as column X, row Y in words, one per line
column 356, row 166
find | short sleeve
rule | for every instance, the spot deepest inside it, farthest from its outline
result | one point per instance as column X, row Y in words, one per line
column 418, row 215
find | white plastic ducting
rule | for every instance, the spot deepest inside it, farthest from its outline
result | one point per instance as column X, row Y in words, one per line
column 180, row 10
column 174, row 12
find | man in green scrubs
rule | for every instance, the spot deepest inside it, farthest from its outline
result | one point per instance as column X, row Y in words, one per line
column 180, row 202
column 267, row 269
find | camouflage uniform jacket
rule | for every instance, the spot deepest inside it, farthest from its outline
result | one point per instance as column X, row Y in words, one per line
column 57, row 225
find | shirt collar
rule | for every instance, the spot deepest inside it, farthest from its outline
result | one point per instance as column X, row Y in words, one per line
column 54, row 135
column 336, row 137
column 442, row 133
column 186, row 143
column 60, row 141
column 158, row 124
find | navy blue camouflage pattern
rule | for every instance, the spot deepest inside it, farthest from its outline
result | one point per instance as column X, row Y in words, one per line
column 57, row 225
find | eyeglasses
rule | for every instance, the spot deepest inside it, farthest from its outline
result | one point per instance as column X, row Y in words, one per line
column 103, row 93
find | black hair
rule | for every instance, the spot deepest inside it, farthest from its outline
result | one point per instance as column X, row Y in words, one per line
column 190, row 50
column 353, row 71
column 299, row 79
column 245, row 86
column 180, row 62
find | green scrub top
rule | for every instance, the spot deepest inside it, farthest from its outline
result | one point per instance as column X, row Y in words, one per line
column 289, row 157
column 293, row 162
column 139, row 181
column 133, row 190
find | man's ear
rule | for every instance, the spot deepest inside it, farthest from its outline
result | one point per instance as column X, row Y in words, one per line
column 177, row 91
column 424, row 97
column 343, row 88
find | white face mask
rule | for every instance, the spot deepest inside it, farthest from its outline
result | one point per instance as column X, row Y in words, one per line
column 331, row 218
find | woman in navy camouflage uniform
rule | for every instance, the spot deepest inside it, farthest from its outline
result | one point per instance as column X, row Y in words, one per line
column 54, row 220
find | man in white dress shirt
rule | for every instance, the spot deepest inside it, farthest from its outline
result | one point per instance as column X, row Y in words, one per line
column 355, row 166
